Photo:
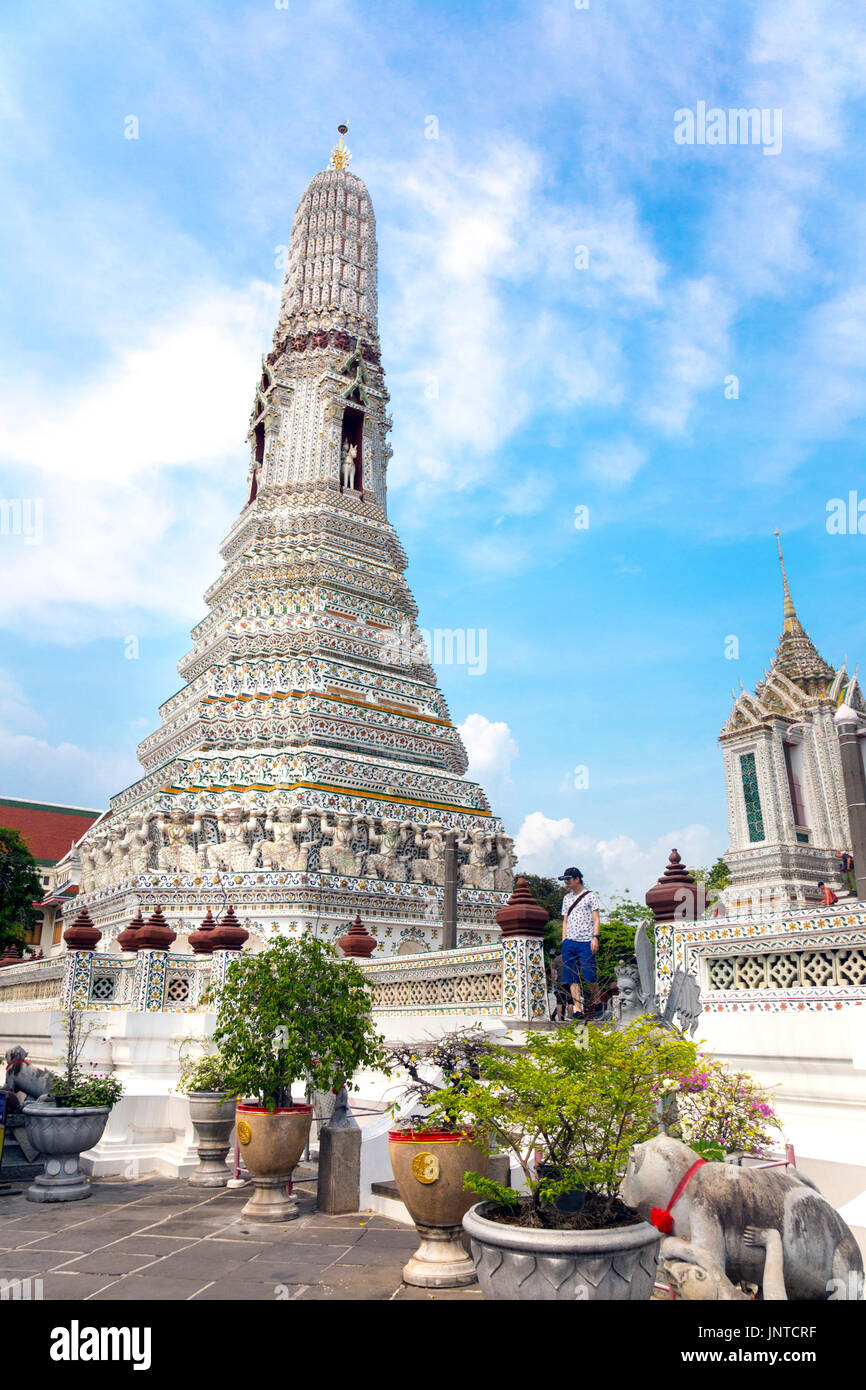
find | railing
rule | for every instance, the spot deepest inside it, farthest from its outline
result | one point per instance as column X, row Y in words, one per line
column 32, row 984
column 438, row 982
column 779, row 961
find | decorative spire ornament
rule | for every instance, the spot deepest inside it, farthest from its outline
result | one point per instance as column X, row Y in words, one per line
column 341, row 154
column 791, row 622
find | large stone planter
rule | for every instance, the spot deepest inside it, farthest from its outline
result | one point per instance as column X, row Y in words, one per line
column 213, row 1117
column 61, row 1134
column 271, row 1146
column 515, row 1262
column 429, row 1169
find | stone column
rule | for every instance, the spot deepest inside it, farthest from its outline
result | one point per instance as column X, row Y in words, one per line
column 339, row 1184
column 855, row 791
column 81, row 939
column 673, row 899
column 524, row 981
column 449, row 900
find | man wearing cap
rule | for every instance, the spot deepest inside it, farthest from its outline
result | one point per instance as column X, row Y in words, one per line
column 580, row 927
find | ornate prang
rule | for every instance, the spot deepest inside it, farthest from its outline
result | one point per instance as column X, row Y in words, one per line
column 202, row 941
column 357, row 941
column 129, row 939
column 82, row 935
column 523, row 914
column 229, row 935
column 675, row 894
column 156, row 934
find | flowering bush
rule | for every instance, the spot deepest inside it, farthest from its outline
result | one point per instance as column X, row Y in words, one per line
column 725, row 1110
column 86, row 1088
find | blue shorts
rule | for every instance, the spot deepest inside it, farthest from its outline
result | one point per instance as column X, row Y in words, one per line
column 577, row 960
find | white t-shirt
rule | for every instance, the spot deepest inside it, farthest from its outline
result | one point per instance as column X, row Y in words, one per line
column 579, row 925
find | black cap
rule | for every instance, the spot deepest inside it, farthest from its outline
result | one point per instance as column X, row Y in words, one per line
column 570, row 873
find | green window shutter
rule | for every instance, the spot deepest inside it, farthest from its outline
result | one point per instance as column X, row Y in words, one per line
column 754, row 817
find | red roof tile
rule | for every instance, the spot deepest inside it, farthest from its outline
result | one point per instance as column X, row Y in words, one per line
column 48, row 830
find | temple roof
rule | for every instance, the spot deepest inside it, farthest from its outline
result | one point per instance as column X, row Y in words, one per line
column 796, row 655
column 798, row 677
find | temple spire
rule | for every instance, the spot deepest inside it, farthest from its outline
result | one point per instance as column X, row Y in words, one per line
column 791, row 622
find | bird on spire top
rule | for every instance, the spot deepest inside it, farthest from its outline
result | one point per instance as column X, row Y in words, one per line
column 341, row 154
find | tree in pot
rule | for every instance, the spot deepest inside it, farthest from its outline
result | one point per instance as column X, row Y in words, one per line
column 69, row 1119
column 292, row 1011
column 577, row 1100
column 431, row 1156
column 212, row 1110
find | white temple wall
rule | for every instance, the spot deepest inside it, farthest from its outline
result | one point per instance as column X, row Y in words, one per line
column 816, row 1065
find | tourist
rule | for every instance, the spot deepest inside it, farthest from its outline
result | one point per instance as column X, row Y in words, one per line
column 828, row 895
column 848, row 873
column 580, row 928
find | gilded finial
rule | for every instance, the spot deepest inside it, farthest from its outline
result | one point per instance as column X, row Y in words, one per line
column 341, row 154
column 791, row 621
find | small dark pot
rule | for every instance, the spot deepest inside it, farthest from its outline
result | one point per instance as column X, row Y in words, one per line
column 567, row 1202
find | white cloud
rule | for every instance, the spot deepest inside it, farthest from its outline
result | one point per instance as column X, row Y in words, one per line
column 140, row 472
column 546, row 846
column 490, row 746
column 615, row 462
column 34, row 768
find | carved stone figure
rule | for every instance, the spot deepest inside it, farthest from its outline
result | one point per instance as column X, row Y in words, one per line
column 503, row 874
column 386, row 862
column 22, row 1075
column 338, row 857
column 637, row 998
column 103, row 853
column 87, row 854
column 695, row 1284
column 287, row 849
column 177, row 852
column 136, row 842
column 477, row 873
column 722, row 1218
column 431, row 869
column 350, row 456
column 232, row 852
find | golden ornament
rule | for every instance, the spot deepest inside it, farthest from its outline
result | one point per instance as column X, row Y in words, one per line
column 425, row 1167
column 245, row 1134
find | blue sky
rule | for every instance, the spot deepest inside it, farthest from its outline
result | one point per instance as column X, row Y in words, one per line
column 140, row 287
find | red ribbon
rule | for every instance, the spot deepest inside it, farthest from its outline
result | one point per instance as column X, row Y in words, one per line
column 661, row 1216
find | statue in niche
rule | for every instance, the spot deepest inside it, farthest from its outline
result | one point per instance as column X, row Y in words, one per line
column 386, row 862
column 503, row 873
column 232, row 852
column 477, row 873
column 177, row 852
column 349, row 465
column 338, row 857
column 431, row 869
column 286, row 849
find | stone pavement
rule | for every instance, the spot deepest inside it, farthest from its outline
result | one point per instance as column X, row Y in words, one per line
column 162, row 1239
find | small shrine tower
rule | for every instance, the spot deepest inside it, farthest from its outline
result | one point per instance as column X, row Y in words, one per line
column 787, row 813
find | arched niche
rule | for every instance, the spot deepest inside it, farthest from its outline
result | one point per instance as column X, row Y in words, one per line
column 352, row 436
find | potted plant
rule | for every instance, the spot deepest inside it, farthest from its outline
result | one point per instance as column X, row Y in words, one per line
column 69, row 1119
column 288, row 1013
column 578, row 1100
column 431, row 1156
column 212, row 1111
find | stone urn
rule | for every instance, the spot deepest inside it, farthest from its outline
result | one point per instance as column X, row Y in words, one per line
column 429, row 1169
column 518, row 1262
column 61, row 1134
column 271, row 1146
column 213, row 1117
